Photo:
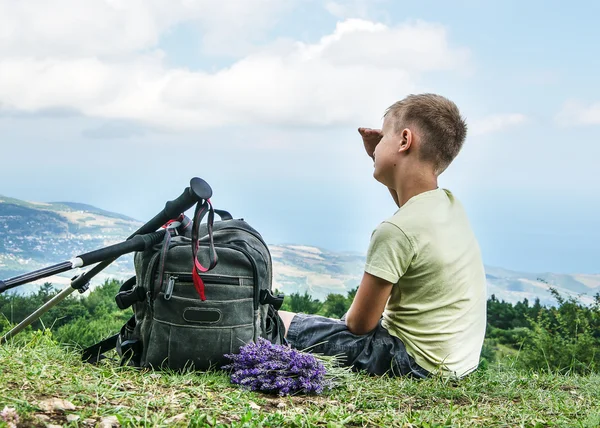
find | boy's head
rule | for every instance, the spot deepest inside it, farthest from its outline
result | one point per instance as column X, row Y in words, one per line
column 424, row 131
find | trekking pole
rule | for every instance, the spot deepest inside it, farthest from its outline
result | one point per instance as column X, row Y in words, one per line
column 134, row 243
column 145, row 237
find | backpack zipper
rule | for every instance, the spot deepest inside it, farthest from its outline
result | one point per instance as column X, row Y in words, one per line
column 208, row 279
column 170, row 286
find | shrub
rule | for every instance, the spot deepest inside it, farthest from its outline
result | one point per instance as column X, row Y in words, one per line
column 563, row 339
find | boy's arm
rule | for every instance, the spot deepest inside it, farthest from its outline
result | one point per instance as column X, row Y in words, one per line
column 368, row 305
column 389, row 256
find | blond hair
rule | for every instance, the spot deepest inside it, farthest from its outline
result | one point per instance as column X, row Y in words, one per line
column 442, row 129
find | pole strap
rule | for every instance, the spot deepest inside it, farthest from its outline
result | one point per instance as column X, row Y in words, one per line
column 200, row 212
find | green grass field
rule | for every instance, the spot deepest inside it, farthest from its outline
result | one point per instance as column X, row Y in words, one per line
column 48, row 385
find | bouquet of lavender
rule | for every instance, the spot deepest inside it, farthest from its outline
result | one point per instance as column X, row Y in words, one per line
column 266, row 367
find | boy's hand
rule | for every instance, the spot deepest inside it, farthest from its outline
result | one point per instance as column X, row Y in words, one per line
column 371, row 138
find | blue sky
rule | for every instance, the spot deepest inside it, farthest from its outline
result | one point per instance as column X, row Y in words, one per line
column 119, row 104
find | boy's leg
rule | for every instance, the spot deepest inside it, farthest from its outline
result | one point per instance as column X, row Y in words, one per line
column 376, row 352
column 287, row 318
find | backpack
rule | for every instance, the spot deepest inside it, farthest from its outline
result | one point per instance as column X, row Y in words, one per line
column 202, row 293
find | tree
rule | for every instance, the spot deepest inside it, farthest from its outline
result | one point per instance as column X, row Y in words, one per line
column 305, row 303
column 335, row 306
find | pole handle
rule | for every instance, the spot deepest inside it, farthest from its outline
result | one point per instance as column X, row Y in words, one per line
column 137, row 243
column 197, row 191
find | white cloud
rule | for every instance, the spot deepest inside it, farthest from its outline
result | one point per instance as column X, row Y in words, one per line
column 102, row 60
column 110, row 28
column 496, row 123
column 343, row 9
column 415, row 47
column 577, row 113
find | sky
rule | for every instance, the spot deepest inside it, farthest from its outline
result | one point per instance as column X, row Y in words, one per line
column 119, row 103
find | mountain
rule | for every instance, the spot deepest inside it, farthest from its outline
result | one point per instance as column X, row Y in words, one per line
column 317, row 271
column 300, row 268
column 36, row 234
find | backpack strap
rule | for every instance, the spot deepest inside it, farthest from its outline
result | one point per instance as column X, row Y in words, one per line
column 161, row 264
column 224, row 214
column 127, row 347
column 95, row 353
column 275, row 329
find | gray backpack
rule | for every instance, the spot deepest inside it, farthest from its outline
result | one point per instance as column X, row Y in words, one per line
column 204, row 292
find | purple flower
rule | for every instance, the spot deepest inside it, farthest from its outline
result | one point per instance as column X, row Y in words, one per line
column 263, row 366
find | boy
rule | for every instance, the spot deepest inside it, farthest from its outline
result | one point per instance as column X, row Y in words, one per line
column 421, row 305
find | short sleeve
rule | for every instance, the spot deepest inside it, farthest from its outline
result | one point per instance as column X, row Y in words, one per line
column 390, row 253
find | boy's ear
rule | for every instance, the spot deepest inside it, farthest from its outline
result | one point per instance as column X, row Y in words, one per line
column 406, row 139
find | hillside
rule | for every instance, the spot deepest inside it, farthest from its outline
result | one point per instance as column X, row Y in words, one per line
column 35, row 234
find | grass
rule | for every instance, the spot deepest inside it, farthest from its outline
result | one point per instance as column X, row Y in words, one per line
column 499, row 396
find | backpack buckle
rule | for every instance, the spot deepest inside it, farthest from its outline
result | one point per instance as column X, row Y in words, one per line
column 267, row 298
column 125, row 299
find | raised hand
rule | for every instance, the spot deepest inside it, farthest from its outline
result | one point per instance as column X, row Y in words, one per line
column 371, row 138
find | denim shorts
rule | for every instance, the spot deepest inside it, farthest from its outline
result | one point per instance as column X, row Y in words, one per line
column 377, row 352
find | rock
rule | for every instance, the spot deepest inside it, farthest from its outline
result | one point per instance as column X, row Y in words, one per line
column 53, row 426
column 41, row 417
column 54, row 404
column 175, row 419
column 109, row 422
column 72, row 418
column 254, row 406
column 89, row 421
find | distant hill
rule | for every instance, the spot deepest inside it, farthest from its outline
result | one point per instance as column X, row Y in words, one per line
column 317, row 271
column 92, row 210
column 37, row 234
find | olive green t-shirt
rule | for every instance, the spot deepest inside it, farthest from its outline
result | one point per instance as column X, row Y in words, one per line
column 437, row 307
